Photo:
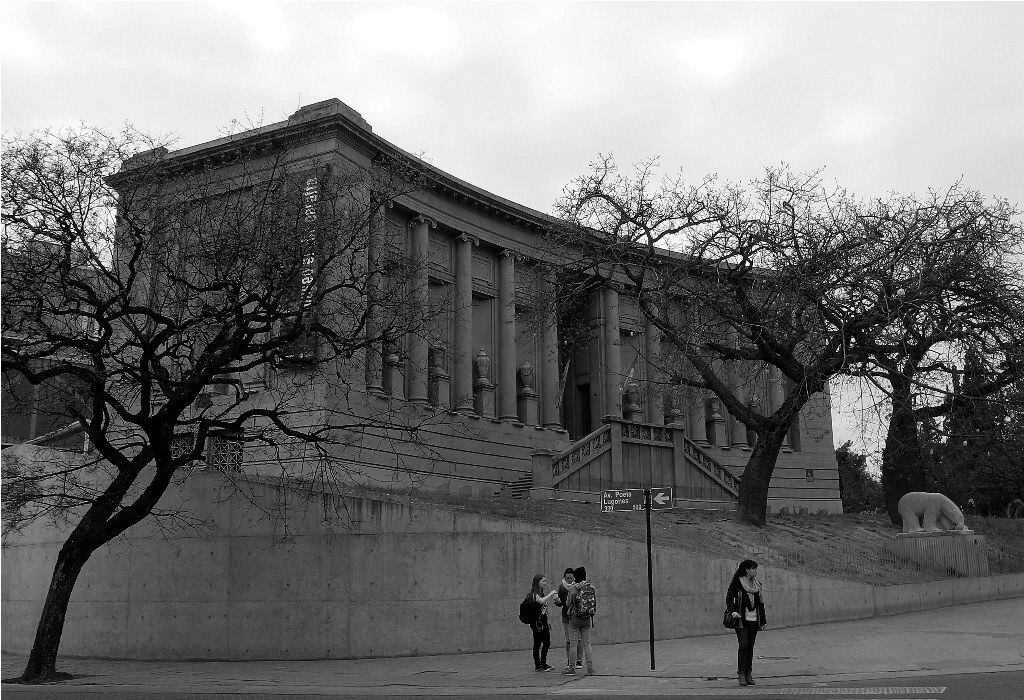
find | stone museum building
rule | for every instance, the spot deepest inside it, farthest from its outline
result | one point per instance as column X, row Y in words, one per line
column 521, row 409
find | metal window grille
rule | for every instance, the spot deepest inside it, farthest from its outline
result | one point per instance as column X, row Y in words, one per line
column 181, row 444
column 224, row 453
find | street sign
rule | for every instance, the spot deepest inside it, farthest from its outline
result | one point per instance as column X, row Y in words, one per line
column 661, row 497
column 622, row 499
column 617, row 500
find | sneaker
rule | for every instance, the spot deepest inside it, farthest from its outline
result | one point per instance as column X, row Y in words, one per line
column 569, row 671
column 579, row 664
column 545, row 667
column 590, row 672
column 539, row 669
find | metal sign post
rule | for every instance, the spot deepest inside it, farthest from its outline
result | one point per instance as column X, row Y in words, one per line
column 655, row 498
column 650, row 578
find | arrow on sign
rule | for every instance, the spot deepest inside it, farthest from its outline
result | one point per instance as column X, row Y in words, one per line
column 661, row 498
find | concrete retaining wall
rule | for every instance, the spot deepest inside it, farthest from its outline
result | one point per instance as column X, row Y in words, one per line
column 335, row 577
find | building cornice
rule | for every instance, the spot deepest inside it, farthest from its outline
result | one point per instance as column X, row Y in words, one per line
column 322, row 121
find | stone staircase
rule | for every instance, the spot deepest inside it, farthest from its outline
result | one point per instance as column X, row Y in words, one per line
column 520, row 488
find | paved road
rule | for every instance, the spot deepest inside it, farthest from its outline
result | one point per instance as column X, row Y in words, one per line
column 975, row 647
column 973, row 686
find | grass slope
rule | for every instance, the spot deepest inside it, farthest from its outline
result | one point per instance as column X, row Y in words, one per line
column 849, row 547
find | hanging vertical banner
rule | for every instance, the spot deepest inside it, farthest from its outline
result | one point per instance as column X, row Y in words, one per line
column 303, row 350
column 307, row 270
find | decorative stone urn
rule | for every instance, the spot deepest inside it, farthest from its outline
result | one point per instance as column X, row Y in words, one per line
column 527, row 396
column 440, row 381
column 482, row 366
column 631, row 400
column 483, row 390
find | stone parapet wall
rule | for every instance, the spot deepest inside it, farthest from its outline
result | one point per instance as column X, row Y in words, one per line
column 339, row 576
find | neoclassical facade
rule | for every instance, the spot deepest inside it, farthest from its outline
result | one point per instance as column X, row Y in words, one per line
column 522, row 409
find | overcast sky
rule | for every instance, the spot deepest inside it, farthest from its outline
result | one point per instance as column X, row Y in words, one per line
column 517, row 98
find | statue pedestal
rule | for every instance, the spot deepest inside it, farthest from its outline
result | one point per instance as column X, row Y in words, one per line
column 958, row 553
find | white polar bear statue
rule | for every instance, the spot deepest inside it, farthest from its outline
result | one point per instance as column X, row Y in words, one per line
column 930, row 512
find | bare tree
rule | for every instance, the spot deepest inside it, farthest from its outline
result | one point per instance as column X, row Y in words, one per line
column 180, row 309
column 782, row 276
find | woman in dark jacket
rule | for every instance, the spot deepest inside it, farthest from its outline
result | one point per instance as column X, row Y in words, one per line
column 743, row 601
column 540, row 627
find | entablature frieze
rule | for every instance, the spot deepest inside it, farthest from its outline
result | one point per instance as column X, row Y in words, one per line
column 501, row 236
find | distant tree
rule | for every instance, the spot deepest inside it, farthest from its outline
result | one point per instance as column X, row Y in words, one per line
column 859, row 489
column 176, row 309
column 974, row 457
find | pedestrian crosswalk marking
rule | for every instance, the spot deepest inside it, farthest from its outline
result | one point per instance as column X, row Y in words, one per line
column 779, row 690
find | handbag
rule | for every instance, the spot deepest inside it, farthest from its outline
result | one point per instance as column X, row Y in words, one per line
column 729, row 621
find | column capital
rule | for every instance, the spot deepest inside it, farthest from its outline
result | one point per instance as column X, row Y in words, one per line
column 468, row 238
column 420, row 219
column 508, row 253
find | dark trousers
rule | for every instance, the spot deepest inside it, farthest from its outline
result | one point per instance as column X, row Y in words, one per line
column 541, row 642
column 746, row 634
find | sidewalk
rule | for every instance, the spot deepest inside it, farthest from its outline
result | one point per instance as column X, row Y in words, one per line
column 966, row 639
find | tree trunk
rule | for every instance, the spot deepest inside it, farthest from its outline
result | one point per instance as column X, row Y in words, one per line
column 902, row 461
column 42, row 661
column 752, row 506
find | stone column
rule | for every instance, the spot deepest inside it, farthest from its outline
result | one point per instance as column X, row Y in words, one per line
column 463, row 331
column 777, row 397
column 655, row 377
column 507, row 335
column 550, row 376
column 419, row 296
column 374, row 249
column 612, row 361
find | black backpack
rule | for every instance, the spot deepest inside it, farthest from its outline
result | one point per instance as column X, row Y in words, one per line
column 529, row 609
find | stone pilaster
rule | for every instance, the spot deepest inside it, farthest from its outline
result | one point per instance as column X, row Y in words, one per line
column 419, row 295
column 612, row 355
column 550, row 376
column 374, row 347
column 777, row 396
column 737, row 381
column 463, row 345
column 655, row 376
column 507, row 335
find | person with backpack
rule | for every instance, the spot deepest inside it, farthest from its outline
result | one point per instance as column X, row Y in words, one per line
column 534, row 611
column 568, row 579
column 743, row 603
column 582, row 604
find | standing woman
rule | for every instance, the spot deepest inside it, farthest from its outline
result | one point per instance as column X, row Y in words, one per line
column 743, row 601
column 541, row 629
